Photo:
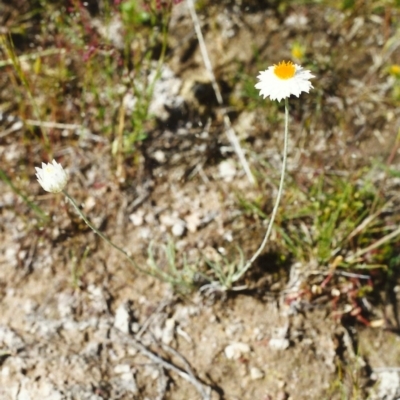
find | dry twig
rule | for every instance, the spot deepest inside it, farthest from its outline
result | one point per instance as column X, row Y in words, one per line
column 228, row 126
column 187, row 375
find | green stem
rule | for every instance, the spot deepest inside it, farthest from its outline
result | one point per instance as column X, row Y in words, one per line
column 95, row 230
column 249, row 263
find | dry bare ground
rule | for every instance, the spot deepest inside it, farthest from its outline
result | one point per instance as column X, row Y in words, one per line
column 78, row 322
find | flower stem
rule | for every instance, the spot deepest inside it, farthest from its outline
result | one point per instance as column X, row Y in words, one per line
column 249, row 263
column 95, row 230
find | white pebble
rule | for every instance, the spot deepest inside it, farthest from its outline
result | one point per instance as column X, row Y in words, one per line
column 169, row 331
column 279, row 343
column 235, row 350
column 256, row 374
column 178, row 229
column 122, row 318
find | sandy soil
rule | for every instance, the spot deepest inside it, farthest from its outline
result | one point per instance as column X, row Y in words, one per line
column 78, row 322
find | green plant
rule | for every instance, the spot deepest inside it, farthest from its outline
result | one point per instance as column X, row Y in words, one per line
column 180, row 274
column 335, row 217
column 224, row 273
column 145, row 44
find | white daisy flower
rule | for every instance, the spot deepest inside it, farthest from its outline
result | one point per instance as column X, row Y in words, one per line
column 280, row 81
column 52, row 177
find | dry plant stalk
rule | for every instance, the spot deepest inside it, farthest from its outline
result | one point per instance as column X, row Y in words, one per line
column 207, row 63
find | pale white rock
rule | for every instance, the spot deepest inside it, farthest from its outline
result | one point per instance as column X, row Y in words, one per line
column 65, row 305
column 7, row 199
column 151, row 371
column 227, row 170
column 135, row 327
column 279, row 343
column 168, row 331
column 150, row 218
column 145, row 233
column 48, row 391
column 236, row 350
column 98, row 298
column 5, row 371
column 30, row 306
column 122, row 318
column 10, row 256
column 137, row 218
column 25, row 390
column 126, row 378
column 228, row 236
column 167, row 220
column 9, row 339
column 128, row 382
column 122, row 368
column 24, row 394
column 92, row 349
column 166, row 98
column 178, row 228
column 160, row 156
column 89, row 204
column 193, row 221
column 256, row 373
column 388, row 386
column 298, row 21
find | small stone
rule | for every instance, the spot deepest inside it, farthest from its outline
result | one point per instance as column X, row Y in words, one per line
column 122, row 368
column 235, row 350
column 160, row 156
column 127, row 379
column 167, row 220
column 178, row 229
column 137, row 218
column 388, row 386
column 335, row 292
column 169, row 331
column 9, row 339
column 152, row 371
column 193, row 221
column 227, row 170
column 279, row 343
column 122, row 318
column 256, row 374
column 90, row 203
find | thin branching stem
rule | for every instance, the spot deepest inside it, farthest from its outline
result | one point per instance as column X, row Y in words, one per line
column 95, row 230
column 278, row 199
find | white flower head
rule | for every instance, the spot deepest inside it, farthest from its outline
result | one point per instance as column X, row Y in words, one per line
column 52, row 177
column 282, row 80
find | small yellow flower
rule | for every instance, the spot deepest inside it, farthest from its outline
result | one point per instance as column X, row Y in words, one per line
column 394, row 70
column 52, row 177
column 298, row 51
column 284, row 79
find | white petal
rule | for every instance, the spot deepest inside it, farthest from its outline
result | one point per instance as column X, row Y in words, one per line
column 52, row 177
column 277, row 89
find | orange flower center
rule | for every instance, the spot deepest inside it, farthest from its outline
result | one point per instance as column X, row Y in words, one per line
column 284, row 70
